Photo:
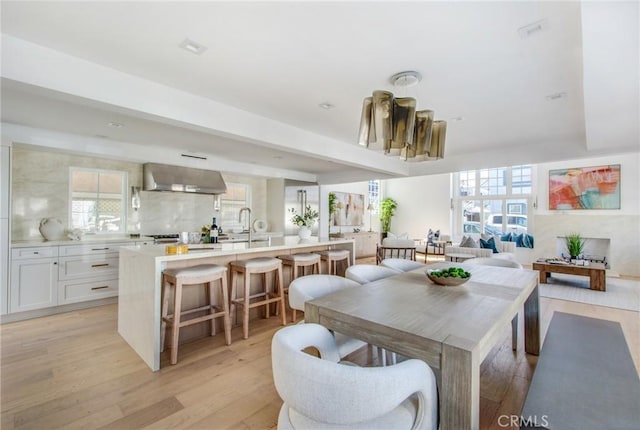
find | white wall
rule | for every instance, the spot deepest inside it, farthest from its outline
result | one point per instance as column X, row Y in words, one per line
column 621, row 226
column 353, row 187
column 424, row 202
column 40, row 188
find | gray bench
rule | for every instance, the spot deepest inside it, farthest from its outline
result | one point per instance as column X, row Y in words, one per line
column 585, row 378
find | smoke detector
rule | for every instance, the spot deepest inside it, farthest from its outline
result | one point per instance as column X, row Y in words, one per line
column 405, row 79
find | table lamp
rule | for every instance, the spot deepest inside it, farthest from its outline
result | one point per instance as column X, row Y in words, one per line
column 370, row 209
column 340, row 205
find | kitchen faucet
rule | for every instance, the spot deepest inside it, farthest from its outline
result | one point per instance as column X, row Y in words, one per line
column 249, row 219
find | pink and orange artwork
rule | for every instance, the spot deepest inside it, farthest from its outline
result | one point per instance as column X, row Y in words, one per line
column 595, row 187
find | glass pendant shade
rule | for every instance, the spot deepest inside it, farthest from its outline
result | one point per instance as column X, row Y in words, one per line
column 404, row 117
column 393, row 126
column 437, row 140
column 421, row 137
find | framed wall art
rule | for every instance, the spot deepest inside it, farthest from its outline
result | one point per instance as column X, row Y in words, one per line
column 349, row 210
column 578, row 188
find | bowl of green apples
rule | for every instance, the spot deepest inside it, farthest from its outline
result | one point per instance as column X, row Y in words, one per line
column 450, row 276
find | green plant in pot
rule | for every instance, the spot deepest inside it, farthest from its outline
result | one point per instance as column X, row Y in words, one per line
column 575, row 244
column 332, row 208
column 387, row 206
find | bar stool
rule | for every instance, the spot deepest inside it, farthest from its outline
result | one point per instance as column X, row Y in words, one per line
column 333, row 256
column 297, row 262
column 260, row 265
column 189, row 276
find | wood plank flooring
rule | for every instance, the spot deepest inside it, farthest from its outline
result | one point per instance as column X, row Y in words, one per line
column 73, row 371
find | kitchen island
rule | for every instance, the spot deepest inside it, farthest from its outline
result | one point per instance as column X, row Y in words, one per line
column 140, row 281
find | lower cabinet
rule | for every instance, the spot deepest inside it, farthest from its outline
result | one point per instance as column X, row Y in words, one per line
column 43, row 277
column 365, row 243
column 34, row 284
column 78, row 291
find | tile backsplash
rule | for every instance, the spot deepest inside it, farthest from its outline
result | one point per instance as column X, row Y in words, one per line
column 40, row 189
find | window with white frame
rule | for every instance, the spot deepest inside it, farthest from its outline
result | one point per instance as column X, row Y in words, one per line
column 374, row 195
column 493, row 201
column 97, row 200
column 237, row 197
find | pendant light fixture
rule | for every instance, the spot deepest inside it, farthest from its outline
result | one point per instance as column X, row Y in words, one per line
column 394, row 126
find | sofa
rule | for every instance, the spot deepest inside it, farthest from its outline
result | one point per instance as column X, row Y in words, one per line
column 506, row 250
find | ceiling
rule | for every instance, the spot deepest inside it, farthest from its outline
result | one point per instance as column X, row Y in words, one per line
column 249, row 103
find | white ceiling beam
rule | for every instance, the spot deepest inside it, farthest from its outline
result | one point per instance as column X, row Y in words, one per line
column 33, row 64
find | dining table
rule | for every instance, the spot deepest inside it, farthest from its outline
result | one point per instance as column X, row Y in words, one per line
column 451, row 328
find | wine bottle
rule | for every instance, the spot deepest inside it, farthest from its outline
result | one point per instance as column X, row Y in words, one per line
column 214, row 231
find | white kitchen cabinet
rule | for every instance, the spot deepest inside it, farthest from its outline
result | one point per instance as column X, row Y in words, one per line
column 74, row 291
column 88, row 272
column 34, row 279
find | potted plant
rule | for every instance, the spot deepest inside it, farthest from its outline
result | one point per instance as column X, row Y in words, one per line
column 575, row 245
column 304, row 221
column 387, row 206
column 332, row 208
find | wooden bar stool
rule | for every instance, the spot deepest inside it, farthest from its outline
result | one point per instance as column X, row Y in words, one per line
column 333, row 256
column 297, row 262
column 261, row 265
column 190, row 276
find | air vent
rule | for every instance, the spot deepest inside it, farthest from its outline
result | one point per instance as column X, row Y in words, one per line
column 533, row 28
column 556, row 96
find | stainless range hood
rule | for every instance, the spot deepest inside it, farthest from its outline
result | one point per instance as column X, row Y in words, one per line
column 162, row 177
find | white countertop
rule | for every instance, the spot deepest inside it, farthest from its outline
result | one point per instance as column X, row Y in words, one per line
column 204, row 250
column 85, row 240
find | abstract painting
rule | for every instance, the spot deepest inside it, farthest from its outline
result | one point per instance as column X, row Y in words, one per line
column 585, row 188
column 352, row 211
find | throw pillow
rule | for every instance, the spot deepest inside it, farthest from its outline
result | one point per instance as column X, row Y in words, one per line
column 391, row 236
column 489, row 244
column 518, row 239
column 527, row 241
column 508, row 237
column 403, row 236
column 468, row 242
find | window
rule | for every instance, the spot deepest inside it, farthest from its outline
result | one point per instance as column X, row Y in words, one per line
column 97, row 200
column 521, row 180
column 500, row 202
column 238, row 196
column 374, row 194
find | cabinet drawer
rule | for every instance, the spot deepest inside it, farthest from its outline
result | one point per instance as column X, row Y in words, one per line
column 87, row 266
column 74, row 291
column 91, row 249
column 34, row 252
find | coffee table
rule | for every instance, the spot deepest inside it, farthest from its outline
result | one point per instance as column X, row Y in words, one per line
column 595, row 271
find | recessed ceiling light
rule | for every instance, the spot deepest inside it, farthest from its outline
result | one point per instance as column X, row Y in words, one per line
column 326, row 105
column 101, row 136
column 116, row 125
column 457, row 119
column 556, row 96
column 193, row 47
column 278, row 157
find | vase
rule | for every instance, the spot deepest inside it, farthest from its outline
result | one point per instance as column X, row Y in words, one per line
column 304, row 233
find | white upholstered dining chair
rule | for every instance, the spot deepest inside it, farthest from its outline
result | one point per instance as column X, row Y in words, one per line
column 320, row 392
column 365, row 273
column 313, row 286
column 401, row 264
column 498, row 262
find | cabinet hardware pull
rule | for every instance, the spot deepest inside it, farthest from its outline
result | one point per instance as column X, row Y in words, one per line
column 99, row 249
column 100, row 265
column 100, row 288
column 35, row 252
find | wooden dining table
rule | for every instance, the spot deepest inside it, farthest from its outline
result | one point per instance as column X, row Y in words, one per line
column 451, row 328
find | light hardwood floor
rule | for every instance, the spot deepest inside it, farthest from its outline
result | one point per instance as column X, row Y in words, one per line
column 74, row 371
